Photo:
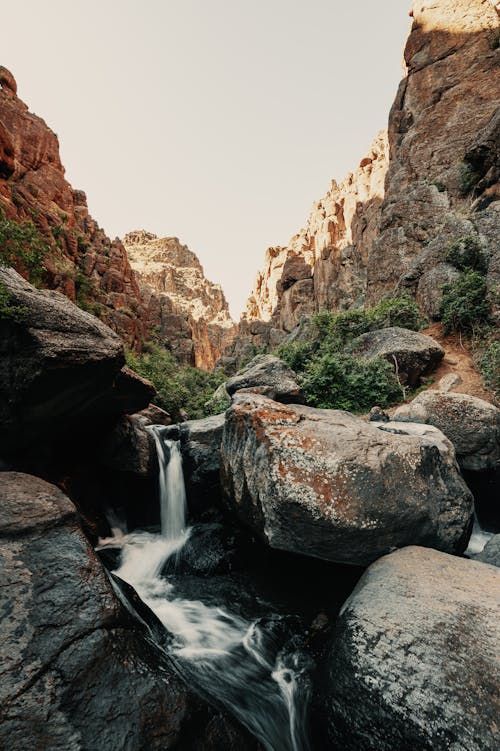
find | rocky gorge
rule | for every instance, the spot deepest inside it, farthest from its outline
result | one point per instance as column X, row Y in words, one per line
column 314, row 564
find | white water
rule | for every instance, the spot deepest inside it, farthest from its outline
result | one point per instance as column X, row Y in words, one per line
column 478, row 538
column 229, row 658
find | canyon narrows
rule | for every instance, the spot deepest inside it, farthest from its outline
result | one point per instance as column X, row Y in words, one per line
column 282, row 533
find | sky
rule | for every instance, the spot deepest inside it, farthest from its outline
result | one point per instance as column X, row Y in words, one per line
column 215, row 121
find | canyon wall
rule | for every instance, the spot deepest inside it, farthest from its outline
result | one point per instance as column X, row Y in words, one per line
column 189, row 313
column 161, row 295
column 83, row 263
column 433, row 180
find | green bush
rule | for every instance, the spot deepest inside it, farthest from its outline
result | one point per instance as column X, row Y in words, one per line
column 178, row 386
column 340, row 381
column 467, row 178
column 7, row 308
column 466, row 254
column 464, row 306
column 333, row 331
column 22, row 246
column 489, row 366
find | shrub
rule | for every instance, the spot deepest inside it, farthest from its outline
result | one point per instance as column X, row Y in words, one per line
column 340, row 381
column 464, row 305
column 22, row 246
column 7, row 308
column 178, row 386
column 489, row 366
column 467, row 178
column 296, row 355
column 466, row 254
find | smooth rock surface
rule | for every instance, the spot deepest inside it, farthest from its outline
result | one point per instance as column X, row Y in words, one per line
column 58, row 364
column 491, row 552
column 78, row 671
column 414, row 662
column 270, row 376
column 327, row 484
column 410, row 353
column 471, row 424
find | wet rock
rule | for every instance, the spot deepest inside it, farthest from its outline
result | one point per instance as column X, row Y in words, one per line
column 270, row 376
column 491, row 552
column 411, row 354
column 58, row 366
column 129, row 447
column 414, row 661
column 211, row 548
column 79, row 670
column 327, row 484
column 471, row 424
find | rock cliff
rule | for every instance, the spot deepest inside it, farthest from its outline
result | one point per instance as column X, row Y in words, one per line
column 83, row 262
column 431, row 181
column 179, row 298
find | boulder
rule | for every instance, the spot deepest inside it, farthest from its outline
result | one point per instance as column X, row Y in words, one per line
column 414, row 661
column 58, row 366
column 412, row 354
column 79, row 671
column 491, row 552
column 449, row 382
column 471, row 424
column 200, row 442
column 270, row 376
column 129, row 447
column 153, row 415
column 327, row 484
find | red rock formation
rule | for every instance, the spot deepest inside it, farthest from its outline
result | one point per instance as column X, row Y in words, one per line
column 389, row 225
column 83, row 262
column 189, row 312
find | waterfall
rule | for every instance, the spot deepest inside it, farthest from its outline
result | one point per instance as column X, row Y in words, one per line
column 229, row 658
column 172, row 489
column 478, row 538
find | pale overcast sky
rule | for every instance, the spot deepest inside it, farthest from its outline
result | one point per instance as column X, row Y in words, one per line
column 217, row 121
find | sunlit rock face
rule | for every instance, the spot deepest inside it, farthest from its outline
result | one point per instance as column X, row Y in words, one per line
column 324, row 265
column 189, row 312
column 442, row 182
column 430, row 181
column 83, row 262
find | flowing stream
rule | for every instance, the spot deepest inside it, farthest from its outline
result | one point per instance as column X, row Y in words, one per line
column 238, row 662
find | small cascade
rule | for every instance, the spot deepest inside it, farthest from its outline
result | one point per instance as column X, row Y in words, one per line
column 228, row 657
column 478, row 538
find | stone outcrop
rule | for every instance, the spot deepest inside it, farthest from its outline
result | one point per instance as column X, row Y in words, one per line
column 490, row 553
column 70, row 645
column 330, row 485
column 433, row 181
column 58, row 366
column 269, row 376
column 471, row 424
column 414, row 661
column 412, row 354
column 83, row 263
column 189, row 312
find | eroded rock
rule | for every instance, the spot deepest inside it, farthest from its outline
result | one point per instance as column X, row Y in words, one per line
column 471, row 424
column 414, row 662
column 327, row 484
column 270, row 376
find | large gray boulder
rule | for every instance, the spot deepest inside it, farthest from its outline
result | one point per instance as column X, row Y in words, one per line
column 270, row 376
column 471, row 424
column 414, row 663
column 412, row 354
column 78, row 672
column 327, row 484
column 58, row 365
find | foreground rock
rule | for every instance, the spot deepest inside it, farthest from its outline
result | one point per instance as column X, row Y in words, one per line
column 327, row 484
column 78, row 671
column 412, row 354
column 58, row 365
column 471, row 424
column 414, row 662
column 270, row 376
